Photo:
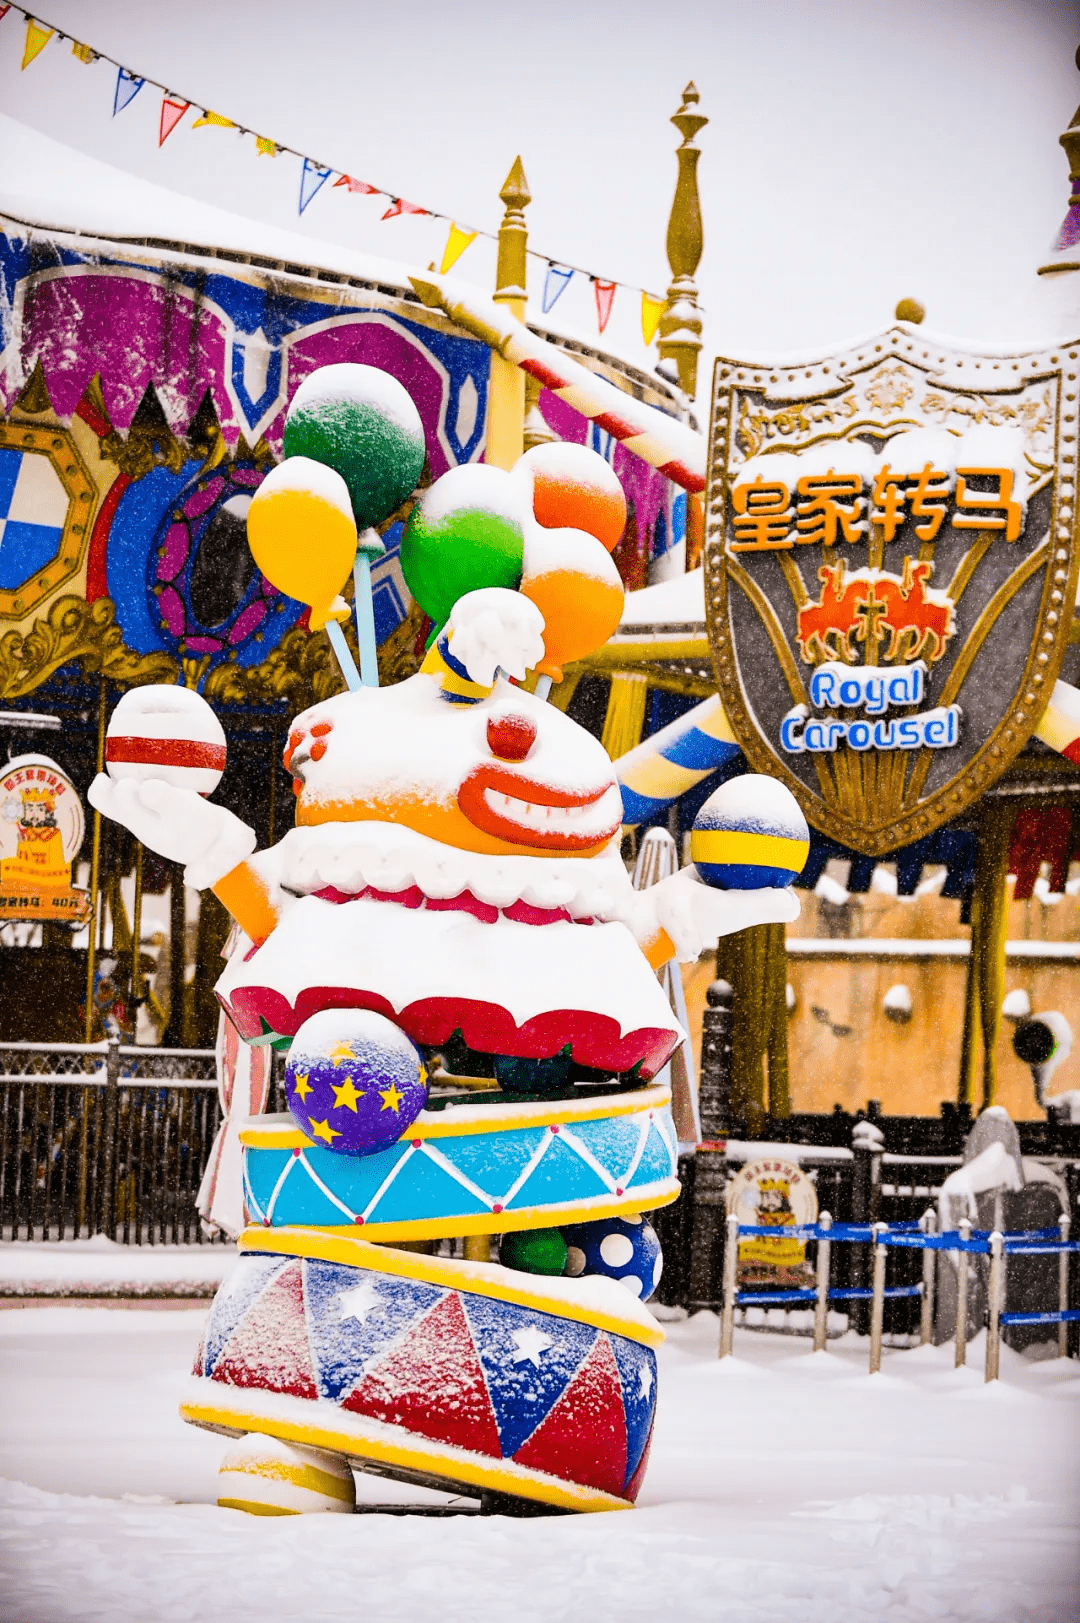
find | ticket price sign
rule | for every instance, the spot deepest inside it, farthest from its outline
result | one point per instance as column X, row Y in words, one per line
column 890, row 567
column 41, row 830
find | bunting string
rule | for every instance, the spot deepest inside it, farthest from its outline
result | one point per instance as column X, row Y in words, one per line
column 314, row 176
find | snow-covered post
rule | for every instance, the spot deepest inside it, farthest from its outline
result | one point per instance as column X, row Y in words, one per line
column 821, row 1305
column 110, row 1126
column 997, row 1296
column 1063, row 1287
column 867, row 1143
column 877, row 1302
column 962, row 1295
column 731, row 1263
column 706, row 1225
column 928, row 1224
column 714, row 1085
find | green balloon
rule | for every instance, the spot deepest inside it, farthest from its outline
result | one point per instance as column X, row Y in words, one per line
column 464, row 533
column 534, row 1251
column 361, row 422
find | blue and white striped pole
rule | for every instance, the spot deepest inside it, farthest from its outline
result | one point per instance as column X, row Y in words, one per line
column 665, row 766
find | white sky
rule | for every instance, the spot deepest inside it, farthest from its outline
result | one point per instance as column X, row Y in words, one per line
column 858, row 150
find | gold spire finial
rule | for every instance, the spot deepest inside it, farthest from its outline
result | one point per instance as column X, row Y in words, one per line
column 506, row 391
column 513, row 238
column 680, row 324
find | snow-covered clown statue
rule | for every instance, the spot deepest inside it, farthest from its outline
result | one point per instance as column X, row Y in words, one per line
column 449, row 950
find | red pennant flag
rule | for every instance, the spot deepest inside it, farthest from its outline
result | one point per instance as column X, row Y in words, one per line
column 357, row 185
column 605, row 298
column 4, row 10
column 172, row 111
column 399, row 206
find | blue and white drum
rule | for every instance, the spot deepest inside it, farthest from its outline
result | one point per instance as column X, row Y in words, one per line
column 472, row 1169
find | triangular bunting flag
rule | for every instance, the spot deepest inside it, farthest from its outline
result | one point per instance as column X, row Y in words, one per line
column 172, row 111
column 651, row 311
column 4, row 11
column 456, row 244
column 265, row 147
column 399, row 206
column 37, row 38
column 556, row 283
column 215, row 118
column 605, row 298
column 311, row 179
column 85, row 53
column 128, row 86
column 357, row 185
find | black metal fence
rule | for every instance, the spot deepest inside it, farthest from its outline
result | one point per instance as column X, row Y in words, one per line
column 104, row 1139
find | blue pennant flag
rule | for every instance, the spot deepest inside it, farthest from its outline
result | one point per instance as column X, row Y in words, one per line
column 311, row 178
column 555, row 284
column 128, row 86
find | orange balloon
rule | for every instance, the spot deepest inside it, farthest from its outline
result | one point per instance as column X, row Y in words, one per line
column 573, row 488
column 577, row 589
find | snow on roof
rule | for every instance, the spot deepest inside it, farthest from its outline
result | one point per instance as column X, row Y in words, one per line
column 678, row 601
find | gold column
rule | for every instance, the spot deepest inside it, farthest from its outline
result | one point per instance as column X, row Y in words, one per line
column 624, row 720
column 506, row 388
column 754, row 962
column 95, row 874
column 986, row 968
column 680, row 324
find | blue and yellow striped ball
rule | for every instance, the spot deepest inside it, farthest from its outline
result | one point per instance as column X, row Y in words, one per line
column 750, row 835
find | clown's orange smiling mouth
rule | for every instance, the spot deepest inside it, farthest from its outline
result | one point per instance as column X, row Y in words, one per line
column 517, row 809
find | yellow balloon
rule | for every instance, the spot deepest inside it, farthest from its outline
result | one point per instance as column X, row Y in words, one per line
column 302, row 535
column 574, row 583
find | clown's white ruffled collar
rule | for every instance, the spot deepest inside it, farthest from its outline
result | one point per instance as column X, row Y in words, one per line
column 389, row 857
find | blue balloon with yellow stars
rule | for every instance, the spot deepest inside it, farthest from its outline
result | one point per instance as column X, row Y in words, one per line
column 354, row 1082
column 750, row 835
column 622, row 1248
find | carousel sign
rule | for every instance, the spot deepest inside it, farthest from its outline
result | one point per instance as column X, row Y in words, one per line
column 891, row 563
column 41, row 830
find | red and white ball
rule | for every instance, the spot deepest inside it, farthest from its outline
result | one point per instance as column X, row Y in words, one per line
column 169, row 733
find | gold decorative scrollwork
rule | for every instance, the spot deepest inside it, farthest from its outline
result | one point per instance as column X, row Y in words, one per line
column 76, row 630
column 1035, row 414
column 757, row 428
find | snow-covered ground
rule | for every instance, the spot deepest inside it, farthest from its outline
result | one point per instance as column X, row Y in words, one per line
column 783, row 1485
column 101, row 1267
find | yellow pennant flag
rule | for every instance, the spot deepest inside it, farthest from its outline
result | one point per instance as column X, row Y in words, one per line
column 651, row 311
column 83, row 52
column 37, row 37
column 265, row 147
column 456, row 244
column 214, row 118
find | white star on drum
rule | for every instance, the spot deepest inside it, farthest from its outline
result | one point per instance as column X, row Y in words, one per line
column 359, row 1300
column 530, row 1343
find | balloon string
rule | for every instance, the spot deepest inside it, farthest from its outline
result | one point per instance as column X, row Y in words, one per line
column 365, row 620
column 344, row 657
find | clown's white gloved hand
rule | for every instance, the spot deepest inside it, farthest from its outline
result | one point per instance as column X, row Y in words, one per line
column 496, row 629
column 694, row 914
column 176, row 823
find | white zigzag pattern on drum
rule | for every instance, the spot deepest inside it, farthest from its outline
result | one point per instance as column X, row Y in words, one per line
column 569, row 1138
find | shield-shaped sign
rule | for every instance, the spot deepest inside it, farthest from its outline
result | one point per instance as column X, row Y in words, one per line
column 891, row 566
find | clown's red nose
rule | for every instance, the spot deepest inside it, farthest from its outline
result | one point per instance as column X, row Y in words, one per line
column 510, row 738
